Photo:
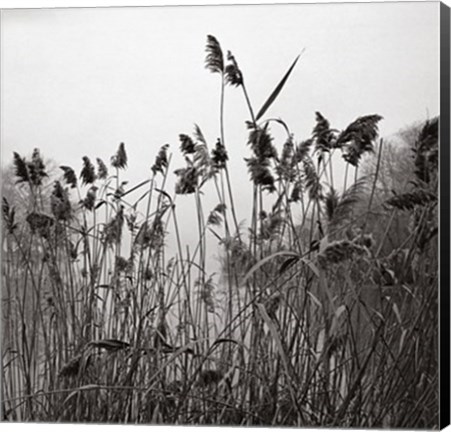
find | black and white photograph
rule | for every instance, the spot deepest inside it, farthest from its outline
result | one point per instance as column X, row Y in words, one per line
column 226, row 215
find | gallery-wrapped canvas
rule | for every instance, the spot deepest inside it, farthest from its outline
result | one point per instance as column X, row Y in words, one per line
column 226, row 215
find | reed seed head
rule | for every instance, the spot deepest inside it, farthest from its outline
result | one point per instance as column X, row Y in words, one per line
column 119, row 160
column 233, row 73
column 161, row 161
column 339, row 251
column 102, row 170
column 60, row 203
column 88, row 173
column 69, row 176
column 214, row 60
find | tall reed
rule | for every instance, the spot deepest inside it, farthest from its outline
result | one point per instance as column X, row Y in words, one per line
column 310, row 322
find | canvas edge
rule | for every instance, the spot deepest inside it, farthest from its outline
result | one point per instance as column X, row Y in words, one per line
column 444, row 215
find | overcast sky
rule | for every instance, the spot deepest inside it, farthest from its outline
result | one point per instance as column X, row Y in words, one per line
column 78, row 82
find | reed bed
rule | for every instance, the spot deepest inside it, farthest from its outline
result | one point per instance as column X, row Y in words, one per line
column 317, row 318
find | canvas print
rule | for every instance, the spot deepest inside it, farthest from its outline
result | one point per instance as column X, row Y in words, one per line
column 221, row 215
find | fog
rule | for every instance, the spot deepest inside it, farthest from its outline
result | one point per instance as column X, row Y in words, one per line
column 78, row 82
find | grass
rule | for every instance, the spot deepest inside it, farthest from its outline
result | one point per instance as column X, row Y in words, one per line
column 314, row 320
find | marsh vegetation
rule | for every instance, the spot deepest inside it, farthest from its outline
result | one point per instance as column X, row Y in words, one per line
column 322, row 312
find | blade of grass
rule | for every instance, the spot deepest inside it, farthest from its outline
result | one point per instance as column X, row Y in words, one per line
column 277, row 90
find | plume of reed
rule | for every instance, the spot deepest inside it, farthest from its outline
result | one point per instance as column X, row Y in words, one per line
column 263, row 149
column 206, row 289
column 187, row 145
column 131, row 221
column 199, row 135
column 409, row 200
column 119, row 160
column 102, row 170
column 339, row 208
column 338, row 251
column 286, row 167
column 69, row 176
column 161, row 160
column 187, row 180
column 152, row 235
column 113, row 229
column 331, row 200
column 89, row 201
column 203, row 162
column 260, row 173
column 219, row 156
column 157, row 233
column 271, row 225
column 60, row 203
column 36, row 168
column 9, row 215
column 323, row 136
column 215, row 216
column 239, row 252
column 88, row 173
column 426, row 151
column 214, row 60
column 296, row 191
column 233, row 75
column 311, row 179
column 302, row 150
column 122, row 264
column 358, row 138
column 21, row 168
column 120, row 191
column 40, row 223
column 261, row 142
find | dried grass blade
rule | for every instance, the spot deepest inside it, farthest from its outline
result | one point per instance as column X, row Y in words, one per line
column 263, row 261
column 277, row 90
column 275, row 335
column 80, row 389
